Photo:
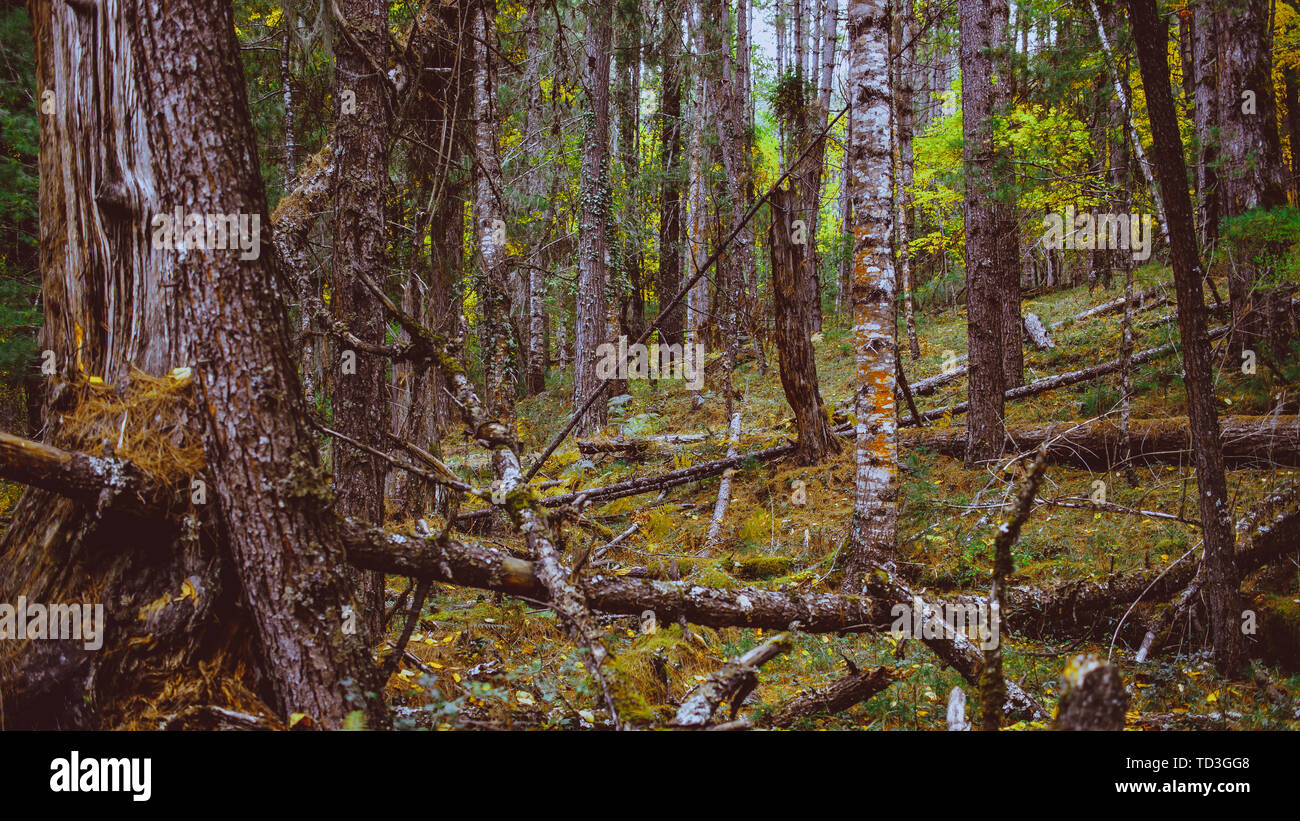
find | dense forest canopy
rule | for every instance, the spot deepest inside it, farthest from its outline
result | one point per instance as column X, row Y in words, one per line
column 459, row 364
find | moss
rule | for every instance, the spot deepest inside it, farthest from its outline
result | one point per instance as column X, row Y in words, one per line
column 761, row 567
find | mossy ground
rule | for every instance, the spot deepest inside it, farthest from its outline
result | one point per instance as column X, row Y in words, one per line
column 497, row 662
column 491, row 661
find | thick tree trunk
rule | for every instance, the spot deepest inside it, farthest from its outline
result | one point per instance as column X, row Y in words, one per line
column 361, row 189
column 1222, row 583
column 798, row 365
column 593, row 275
column 221, row 315
column 984, row 279
column 670, row 188
column 1007, row 233
column 1250, row 155
column 873, row 530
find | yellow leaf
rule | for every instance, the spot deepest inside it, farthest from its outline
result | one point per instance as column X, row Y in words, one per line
column 297, row 717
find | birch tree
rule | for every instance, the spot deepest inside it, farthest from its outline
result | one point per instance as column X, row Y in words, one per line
column 875, row 516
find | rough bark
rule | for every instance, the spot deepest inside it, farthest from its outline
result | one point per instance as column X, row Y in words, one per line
column 670, row 187
column 224, row 317
column 904, row 23
column 593, row 274
column 1092, row 696
column 1206, row 120
column 794, row 346
column 732, row 682
column 360, row 243
column 1249, row 152
column 1151, row 34
column 984, row 279
column 840, row 695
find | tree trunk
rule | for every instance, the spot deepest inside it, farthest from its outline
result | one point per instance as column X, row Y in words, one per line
column 359, row 402
column 1007, row 234
column 984, row 279
column 593, row 275
column 670, row 187
column 1291, row 77
column 873, row 530
column 903, row 102
column 535, row 375
column 1206, row 119
column 1250, row 156
column 1222, row 584
column 628, row 104
column 233, row 630
column 794, row 347
column 489, row 227
column 697, row 250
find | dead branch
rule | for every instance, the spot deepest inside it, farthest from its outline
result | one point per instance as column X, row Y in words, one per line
column 855, row 687
column 733, row 682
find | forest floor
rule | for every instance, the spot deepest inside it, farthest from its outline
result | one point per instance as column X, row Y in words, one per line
column 482, row 660
column 488, row 661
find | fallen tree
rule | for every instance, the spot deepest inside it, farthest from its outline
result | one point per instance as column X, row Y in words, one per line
column 1248, row 441
column 1265, row 534
column 855, row 687
column 732, row 682
column 927, row 386
column 1049, row 383
column 440, row 559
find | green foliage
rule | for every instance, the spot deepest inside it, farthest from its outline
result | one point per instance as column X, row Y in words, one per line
column 1268, row 239
column 19, row 144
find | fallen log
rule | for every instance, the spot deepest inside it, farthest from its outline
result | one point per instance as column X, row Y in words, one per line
column 649, row 484
column 107, row 483
column 1037, row 333
column 925, row 387
column 1268, row 532
column 952, row 646
column 845, row 692
column 1063, row 380
column 732, row 682
column 724, row 489
column 440, row 559
column 487, row 568
column 1114, row 306
column 1248, row 441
